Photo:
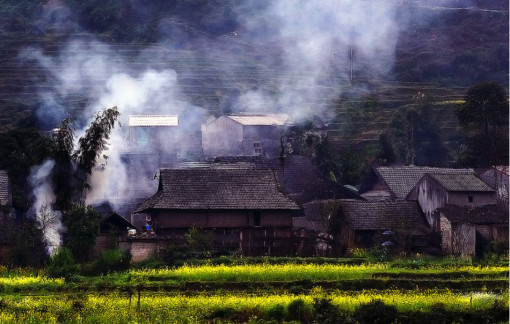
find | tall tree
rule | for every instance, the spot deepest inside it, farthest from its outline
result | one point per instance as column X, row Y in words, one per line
column 92, row 145
column 484, row 121
column 486, row 107
column 417, row 136
column 74, row 167
column 82, row 228
column 63, row 171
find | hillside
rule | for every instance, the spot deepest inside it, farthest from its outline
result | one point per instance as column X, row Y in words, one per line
column 218, row 57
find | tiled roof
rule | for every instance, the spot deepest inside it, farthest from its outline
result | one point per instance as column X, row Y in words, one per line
column 260, row 120
column 374, row 215
column 488, row 214
column 379, row 215
column 402, row 179
column 299, row 176
column 218, row 188
column 5, row 191
column 461, row 182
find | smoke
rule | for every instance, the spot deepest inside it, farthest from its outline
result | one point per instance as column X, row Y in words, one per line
column 48, row 220
column 318, row 45
column 286, row 56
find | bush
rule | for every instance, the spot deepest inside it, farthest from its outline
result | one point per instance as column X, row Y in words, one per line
column 277, row 313
column 376, row 312
column 110, row 261
column 299, row 311
column 326, row 313
column 499, row 248
column 62, row 265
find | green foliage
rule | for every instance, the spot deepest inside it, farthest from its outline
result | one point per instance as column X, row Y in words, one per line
column 326, row 313
column 82, row 228
column 484, row 121
column 72, row 169
column 21, row 150
column 299, row 310
column 111, row 260
column 93, row 143
column 62, row 265
column 486, row 107
column 198, row 239
column 416, row 136
column 62, row 173
column 376, row 312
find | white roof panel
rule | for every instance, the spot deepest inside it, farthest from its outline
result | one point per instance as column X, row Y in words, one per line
column 153, row 120
column 260, row 120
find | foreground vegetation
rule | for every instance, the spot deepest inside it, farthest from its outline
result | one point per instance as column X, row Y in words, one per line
column 266, row 290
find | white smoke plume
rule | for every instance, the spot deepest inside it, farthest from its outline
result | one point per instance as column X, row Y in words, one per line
column 302, row 54
column 48, row 220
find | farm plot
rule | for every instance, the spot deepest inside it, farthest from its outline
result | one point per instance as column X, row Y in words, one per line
column 260, row 293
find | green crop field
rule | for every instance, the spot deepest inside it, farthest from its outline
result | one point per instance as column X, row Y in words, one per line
column 262, row 293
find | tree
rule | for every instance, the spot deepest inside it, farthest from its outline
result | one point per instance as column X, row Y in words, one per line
column 92, row 144
column 73, row 169
column 486, row 107
column 417, row 136
column 82, row 228
column 20, row 150
column 484, row 122
column 63, row 171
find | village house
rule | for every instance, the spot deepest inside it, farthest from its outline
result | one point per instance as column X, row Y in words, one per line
column 396, row 182
column 298, row 175
column 114, row 229
column 5, row 191
column 435, row 190
column 244, row 208
column 467, row 230
column 498, row 178
column 148, row 132
column 333, row 227
column 243, row 134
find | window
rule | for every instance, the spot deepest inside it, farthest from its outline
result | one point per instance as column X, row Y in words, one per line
column 142, row 136
column 257, row 148
column 256, row 218
column 470, row 199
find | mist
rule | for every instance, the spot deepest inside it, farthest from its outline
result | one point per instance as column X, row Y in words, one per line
column 303, row 54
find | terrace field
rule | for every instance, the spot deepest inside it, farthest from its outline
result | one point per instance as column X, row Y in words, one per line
column 250, row 291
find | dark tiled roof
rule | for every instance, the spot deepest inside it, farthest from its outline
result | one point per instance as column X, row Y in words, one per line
column 298, row 175
column 5, row 191
column 374, row 215
column 488, row 214
column 379, row 215
column 402, row 179
column 115, row 221
column 461, row 182
column 218, row 188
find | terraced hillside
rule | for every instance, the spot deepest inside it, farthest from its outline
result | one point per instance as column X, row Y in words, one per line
column 440, row 56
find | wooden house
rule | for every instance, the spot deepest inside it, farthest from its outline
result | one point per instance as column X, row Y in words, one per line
column 5, row 191
column 468, row 230
column 243, row 134
column 353, row 223
column 244, row 208
column 298, row 175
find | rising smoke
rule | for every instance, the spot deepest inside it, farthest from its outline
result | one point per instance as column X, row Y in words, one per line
column 48, row 220
column 301, row 53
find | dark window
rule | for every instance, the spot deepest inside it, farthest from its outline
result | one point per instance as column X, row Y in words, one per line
column 470, row 199
column 256, row 218
column 257, row 147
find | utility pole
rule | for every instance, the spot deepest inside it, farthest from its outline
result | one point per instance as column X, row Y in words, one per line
column 351, row 63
